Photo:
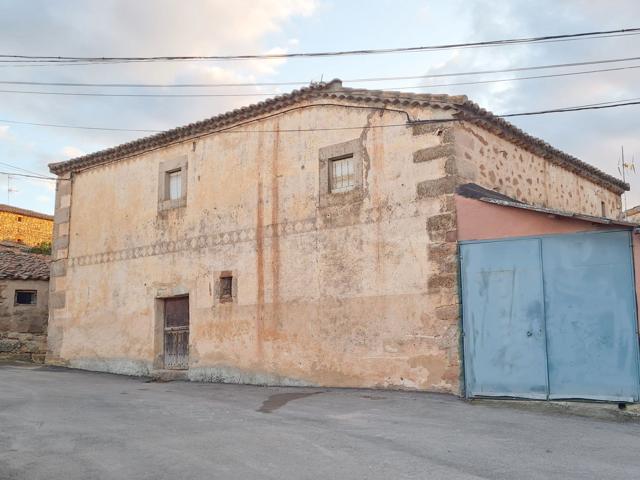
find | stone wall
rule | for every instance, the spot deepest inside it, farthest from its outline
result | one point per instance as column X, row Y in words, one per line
column 495, row 163
column 24, row 347
column 23, row 328
column 31, row 231
column 58, row 279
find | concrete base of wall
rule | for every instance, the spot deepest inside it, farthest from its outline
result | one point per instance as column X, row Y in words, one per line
column 226, row 374
column 26, row 347
column 122, row 366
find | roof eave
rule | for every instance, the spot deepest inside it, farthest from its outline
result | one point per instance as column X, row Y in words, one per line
column 466, row 111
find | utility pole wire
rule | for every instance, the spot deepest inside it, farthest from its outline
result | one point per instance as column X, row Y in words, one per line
column 599, row 106
column 272, row 94
column 293, row 83
column 39, row 177
column 19, row 168
column 490, row 43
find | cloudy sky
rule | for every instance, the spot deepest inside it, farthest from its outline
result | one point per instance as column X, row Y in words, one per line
column 219, row 27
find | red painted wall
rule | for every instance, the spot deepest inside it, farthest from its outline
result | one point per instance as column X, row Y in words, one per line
column 479, row 220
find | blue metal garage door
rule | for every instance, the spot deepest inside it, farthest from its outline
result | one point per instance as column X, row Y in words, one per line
column 551, row 317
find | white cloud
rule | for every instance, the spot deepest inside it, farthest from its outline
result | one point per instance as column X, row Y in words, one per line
column 4, row 133
column 268, row 66
column 594, row 136
column 72, row 152
column 144, row 28
column 45, row 199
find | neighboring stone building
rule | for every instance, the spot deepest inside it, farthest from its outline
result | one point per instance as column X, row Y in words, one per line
column 310, row 239
column 24, row 304
column 25, row 226
column 633, row 214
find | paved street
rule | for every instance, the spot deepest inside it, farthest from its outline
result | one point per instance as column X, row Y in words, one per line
column 65, row 424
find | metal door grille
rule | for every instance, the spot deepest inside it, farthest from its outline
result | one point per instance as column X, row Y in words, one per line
column 176, row 333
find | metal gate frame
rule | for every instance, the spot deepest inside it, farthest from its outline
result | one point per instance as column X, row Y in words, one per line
column 461, row 291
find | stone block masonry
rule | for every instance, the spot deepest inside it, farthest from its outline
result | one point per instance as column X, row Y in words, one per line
column 25, row 227
column 28, row 347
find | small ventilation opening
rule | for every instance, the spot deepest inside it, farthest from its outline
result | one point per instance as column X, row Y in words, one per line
column 226, row 288
column 25, row 297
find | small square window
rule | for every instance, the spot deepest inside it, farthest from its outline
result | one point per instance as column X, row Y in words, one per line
column 26, row 297
column 342, row 174
column 340, row 171
column 226, row 288
column 174, row 185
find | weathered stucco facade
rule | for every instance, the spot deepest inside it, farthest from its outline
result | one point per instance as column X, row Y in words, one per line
column 356, row 289
column 25, row 226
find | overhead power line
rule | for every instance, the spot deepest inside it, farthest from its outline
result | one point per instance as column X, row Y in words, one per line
column 271, row 94
column 19, row 168
column 300, row 82
column 39, row 177
column 491, row 43
column 592, row 106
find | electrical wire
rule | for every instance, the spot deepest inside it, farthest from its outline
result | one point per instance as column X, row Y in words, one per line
column 39, row 177
column 270, row 94
column 490, row 43
column 19, row 168
column 293, row 83
column 595, row 106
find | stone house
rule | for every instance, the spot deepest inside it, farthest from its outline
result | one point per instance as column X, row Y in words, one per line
column 24, row 305
column 310, row 239
column 633, row 214
column 25, row 226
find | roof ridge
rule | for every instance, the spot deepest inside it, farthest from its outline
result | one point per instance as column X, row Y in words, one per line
column 334, row 89
column 24, row 211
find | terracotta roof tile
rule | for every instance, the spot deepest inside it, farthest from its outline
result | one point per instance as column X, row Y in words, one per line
column 16, row 264
column 465, row 110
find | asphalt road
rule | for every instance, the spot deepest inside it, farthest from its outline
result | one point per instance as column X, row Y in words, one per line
column 67, row 425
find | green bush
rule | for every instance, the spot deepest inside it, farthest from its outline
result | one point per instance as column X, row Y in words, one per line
column 44, row 248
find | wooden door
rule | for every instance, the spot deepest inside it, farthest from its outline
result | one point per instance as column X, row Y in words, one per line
column 176, row 333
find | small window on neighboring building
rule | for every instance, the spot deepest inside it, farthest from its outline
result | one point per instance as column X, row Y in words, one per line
column 603, row 208
column 342, row 174
column 19, row 219
column 26, row 297
column 226, row 288
column 174, row 185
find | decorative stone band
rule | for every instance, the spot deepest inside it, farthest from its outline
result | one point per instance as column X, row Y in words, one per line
column 396, row 211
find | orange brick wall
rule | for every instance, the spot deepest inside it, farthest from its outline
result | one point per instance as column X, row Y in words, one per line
column 31, row 231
